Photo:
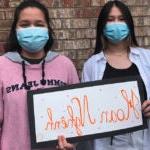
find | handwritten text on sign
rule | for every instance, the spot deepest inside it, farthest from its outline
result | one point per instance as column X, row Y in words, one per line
column 87, row 110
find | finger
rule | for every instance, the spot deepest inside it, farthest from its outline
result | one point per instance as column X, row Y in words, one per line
column 147, row 114
column 147, row 109
column 63, row 139
column 60, row 143
column 66, row 144
column 69, row 146
column 145, row 104
column 57, row 147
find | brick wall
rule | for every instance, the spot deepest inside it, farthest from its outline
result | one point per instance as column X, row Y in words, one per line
column 74, row 23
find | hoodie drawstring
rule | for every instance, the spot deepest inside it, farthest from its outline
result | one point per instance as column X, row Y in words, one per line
column 43, row 81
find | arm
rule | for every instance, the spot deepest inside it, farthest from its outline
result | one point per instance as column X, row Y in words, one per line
column 86, row 73
column 73, row 76
column 1, row 112
column 146, row 108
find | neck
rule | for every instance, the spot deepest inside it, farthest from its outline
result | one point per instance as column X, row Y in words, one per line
column 120, row 48
column 29, row 55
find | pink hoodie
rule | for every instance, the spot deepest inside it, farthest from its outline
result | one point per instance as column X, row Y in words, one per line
column 14, row 125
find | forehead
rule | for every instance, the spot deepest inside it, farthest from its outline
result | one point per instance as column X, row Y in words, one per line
column 31, row 13
column 115, row 11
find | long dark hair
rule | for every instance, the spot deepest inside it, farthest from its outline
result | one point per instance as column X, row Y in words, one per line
column 12, row 44
column 102, row 19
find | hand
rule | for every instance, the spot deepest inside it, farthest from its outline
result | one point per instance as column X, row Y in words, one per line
column 63, row 144
column 146, row 108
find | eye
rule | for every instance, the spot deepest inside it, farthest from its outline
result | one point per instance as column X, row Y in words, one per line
column 121, row 19
column 24, row 25
column 110, row 19
column 40, row 25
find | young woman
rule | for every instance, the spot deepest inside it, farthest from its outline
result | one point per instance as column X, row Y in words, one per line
column 29, row 64
column 117, row 55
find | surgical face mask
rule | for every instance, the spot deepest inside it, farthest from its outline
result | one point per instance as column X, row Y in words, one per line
column 116, row 31
column 32, row 39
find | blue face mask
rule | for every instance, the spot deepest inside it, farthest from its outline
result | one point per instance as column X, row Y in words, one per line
column 32, row 39
column 116, row 32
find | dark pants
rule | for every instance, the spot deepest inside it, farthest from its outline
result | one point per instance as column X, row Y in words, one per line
column 87, row 145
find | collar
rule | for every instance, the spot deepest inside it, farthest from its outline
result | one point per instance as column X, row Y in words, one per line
column 134, row 51
column 100, row 56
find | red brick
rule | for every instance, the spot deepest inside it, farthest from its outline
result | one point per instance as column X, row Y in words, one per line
column 2, row 15
column 76, row 44
column 140, row 40
column 9, row 13
column 14, row 3
column 66, row 34
column 82, row 3
column 61, row 13
column 3, row 36
column 4, row 3
column 84, row 54
column 47, row 3
column 75, row 23
column 56, row 23
column 146, row 21
column 142, row 31
column 68, row 3
column 98, row 2
column 5, row 24
column 93, row 23
column 58, row 45
column 136, row 2
column 93, row 43
column 80, row 64
column 147, row 41
column 2, row 47
column 138, row 21
column 87, row 12
column 140, row 11
column 72, row 54
column 86, row 33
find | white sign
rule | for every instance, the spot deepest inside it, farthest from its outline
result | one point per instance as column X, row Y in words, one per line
column 93, row 109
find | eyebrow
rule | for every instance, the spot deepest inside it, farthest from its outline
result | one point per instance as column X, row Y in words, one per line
column 116, row 16
column 26, row 21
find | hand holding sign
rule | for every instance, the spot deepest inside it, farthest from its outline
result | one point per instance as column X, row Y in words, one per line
column 63, row 144
column 146, row 108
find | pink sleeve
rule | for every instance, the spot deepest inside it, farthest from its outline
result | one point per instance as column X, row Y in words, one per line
column 1, row 112
column 73, row 76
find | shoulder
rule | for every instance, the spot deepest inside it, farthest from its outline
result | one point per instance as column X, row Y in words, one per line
column 141, row 50
column 3, row 59
column 143, row 53
column 5, row 64
column 56, row 58
column 64, row 60
column 93, row 60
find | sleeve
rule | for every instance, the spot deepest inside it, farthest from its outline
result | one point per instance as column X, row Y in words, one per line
column 1, row 112
column 86, row 73
column 73, row 75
